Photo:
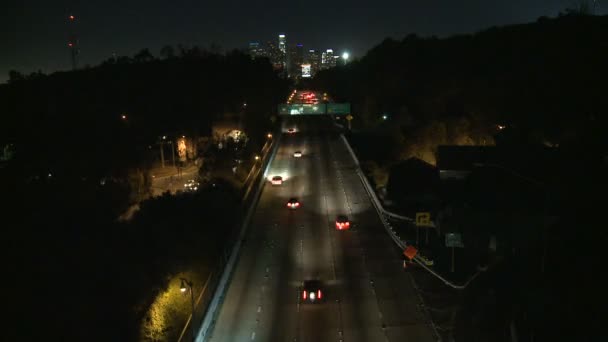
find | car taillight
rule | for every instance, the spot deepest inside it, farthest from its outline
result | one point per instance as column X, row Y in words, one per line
column 297, row 204
column 304, row 295
column 319, row 294
column 347, row 224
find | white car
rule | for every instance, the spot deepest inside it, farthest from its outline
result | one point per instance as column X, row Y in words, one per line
column 297, row 154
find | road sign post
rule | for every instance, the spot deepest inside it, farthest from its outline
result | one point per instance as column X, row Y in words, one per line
column 453, row 240
column 423, row 219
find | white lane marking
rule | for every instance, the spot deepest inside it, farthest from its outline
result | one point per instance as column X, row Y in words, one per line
column 253, row 335
column 259, row 308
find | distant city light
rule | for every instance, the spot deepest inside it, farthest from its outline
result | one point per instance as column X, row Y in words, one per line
column 124, row 117
column 384, row 117
column 71, row 17
column 281, row 36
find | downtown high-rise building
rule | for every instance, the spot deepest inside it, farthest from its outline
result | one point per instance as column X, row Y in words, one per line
column 313, row 57
column 328, row 59
column 257, row 50
column 283, row 43
column 295, row 60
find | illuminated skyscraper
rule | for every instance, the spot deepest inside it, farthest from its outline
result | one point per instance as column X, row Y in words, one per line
column 283, row 44
column 327, row 59
column 314, row 59
column 295, row 60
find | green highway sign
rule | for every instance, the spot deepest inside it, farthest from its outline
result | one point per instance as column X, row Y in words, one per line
column 453, row 240
column 315, row 109
column 338, row 108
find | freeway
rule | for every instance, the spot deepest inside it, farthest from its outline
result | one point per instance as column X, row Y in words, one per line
column 367, row 294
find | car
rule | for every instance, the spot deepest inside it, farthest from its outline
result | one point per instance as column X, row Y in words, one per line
column 191, row 185
column 276, row 180
column 312, row 291
column 297, row 154
column 293, row 203
column 342, row 222
column 291, row 130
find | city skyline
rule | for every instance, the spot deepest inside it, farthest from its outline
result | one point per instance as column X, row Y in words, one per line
column 35, row 35
column 294, row 58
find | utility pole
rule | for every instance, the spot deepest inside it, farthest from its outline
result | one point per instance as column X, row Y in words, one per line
column 73, row 41
column 162, row 153
column 172, row 152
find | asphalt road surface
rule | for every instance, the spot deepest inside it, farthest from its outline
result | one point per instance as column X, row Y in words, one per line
column 367, row 294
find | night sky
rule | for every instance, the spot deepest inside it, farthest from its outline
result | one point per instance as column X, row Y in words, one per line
column 33, row 34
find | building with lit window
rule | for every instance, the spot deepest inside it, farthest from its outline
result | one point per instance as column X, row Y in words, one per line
column 256, row 50
column 295, row 60
column 313, row 57
column 327, row 59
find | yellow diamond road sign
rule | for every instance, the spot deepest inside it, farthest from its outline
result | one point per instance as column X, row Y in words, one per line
column 423, row 219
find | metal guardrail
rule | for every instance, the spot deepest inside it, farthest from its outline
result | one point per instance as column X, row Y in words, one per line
column 218, row 296
column 383, row 214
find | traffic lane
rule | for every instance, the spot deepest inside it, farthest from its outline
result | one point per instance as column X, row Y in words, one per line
column 291, row 318
column 397, row 299
column 360, row 313
column 247, row 307
column 313, row 322
column 319, row 322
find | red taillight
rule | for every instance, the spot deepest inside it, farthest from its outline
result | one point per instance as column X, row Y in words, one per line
column 297, row 204
column 319, row 294
column 304, row 295
column 347, row 224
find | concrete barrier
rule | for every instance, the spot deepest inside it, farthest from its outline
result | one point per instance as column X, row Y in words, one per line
column 383, row 214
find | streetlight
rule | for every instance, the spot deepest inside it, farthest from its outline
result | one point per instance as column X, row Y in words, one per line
column 257, row 157
column 183, row 289
column 269, row 136
column 124, row 117
column 384, row 117
column 345, row 56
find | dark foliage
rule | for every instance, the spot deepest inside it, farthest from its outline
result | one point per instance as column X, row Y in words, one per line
column 545, row 82
column 73, row 272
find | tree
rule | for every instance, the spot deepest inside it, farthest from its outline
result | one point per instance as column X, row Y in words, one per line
column 143, row 56
column 15, row 76
column 167, row 52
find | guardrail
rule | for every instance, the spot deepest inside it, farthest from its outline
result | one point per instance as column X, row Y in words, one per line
column 220, row 292
column 383, row 214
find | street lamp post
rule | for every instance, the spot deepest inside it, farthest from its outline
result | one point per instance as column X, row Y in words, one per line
column 183, row 288
column 162, row 153
column 172, row 152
